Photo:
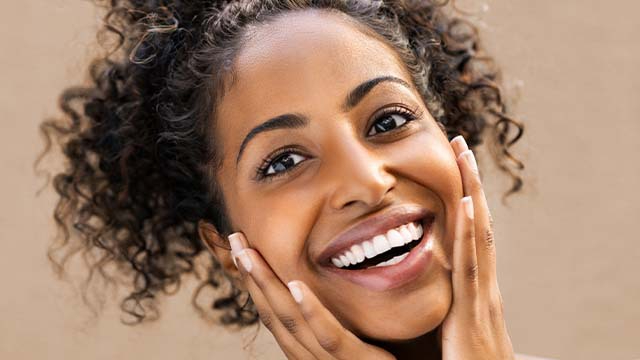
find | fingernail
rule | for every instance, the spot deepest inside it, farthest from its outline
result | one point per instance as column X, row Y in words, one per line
column 244, row 260
column 461, row 142
column 471, row 160
column 294, row 288
column 234, row 241
column 467, row 203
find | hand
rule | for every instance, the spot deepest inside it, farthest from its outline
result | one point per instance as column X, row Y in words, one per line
column 301, row 325
column 474, row 327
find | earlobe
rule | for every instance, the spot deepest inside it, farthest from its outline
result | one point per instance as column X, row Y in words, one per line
column 219, row 247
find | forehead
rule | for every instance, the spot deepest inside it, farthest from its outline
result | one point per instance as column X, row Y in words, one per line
column 305, row 61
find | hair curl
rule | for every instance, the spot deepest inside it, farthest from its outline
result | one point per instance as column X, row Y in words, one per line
column 139, row 161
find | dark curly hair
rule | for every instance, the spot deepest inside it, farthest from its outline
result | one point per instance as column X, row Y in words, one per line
column 140, row 162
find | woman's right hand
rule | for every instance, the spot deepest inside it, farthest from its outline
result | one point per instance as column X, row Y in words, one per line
column 300, row 323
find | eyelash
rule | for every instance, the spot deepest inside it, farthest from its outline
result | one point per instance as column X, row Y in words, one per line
column 408, row 115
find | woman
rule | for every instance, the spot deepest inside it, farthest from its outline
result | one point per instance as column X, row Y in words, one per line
column 305, row 144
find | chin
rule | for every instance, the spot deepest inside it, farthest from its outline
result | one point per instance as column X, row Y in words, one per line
column 412, row 319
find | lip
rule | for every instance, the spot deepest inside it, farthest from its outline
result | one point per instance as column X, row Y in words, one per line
column 389, row 277
column 370, row 227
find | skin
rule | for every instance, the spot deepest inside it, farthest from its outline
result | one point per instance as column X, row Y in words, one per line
column 340, row 175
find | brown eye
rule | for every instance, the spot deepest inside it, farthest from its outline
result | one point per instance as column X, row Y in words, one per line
column 391, row 120
column 279, row 163
column 283, row 163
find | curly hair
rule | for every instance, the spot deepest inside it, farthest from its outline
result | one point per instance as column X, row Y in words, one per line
column 139, row 162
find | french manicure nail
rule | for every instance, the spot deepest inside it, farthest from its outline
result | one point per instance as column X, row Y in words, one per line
column 471, row 160
column 244, row 260
column 234, row 241
column 294, row 288
column 467, row 203
column 462, row 143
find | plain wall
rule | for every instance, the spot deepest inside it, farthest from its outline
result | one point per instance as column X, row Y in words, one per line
column 567, row 247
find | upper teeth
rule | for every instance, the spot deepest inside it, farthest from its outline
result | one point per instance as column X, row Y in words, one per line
column 379, row 244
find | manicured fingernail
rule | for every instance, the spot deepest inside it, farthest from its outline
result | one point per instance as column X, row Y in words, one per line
column 471, row 160
column 294, row 288
column 244, row 260
column 461, row 142
column 467, row 203
column 234, row 241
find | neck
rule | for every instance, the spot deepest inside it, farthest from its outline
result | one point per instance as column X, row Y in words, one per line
column 425, row 347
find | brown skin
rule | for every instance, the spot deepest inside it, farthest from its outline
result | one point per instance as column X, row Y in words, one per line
column 307, row 63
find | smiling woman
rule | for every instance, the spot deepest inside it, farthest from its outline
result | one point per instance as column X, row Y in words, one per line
column 323, row 145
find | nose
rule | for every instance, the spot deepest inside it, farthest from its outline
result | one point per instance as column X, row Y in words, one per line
column 360, row 175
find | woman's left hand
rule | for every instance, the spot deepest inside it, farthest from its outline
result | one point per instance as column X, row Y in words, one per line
column 474, row 327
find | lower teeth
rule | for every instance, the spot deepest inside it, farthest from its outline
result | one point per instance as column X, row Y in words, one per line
column 392, row 261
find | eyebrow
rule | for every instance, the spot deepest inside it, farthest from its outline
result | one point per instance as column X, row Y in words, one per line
column 297, row 120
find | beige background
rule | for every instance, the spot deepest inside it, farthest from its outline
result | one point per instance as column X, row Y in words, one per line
column 568, row 250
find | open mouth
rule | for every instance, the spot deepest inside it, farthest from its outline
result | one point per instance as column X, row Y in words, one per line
column 385, row 251
column 388, row 258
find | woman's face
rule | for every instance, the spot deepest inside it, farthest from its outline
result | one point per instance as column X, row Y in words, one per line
column 349, row 157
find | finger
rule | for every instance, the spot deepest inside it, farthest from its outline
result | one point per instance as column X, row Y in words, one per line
column 292, row 348
column 465, row 266
column 288, row 344
column 331, row 335
column 281, row 303
column 485, row 242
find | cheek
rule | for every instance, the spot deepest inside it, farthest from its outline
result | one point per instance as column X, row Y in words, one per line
column 427, row 158
column 278, row 233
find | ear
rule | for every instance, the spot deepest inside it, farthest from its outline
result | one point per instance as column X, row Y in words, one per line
column 218, row 245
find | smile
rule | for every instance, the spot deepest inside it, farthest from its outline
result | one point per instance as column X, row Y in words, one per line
column 391, row 264
column 381, row 250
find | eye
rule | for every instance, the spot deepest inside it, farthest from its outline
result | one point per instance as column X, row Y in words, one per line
column 392, row 119
column 283, row 163
column 278, row 164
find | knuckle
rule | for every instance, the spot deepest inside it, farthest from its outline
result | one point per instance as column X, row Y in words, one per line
column 330, row 343
column 289, row 323
column 471, row 273
column 489, row 238
column 267, row 320
column 469, row 233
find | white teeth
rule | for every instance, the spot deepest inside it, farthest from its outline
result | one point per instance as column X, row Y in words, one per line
column 351, row 257
column 406, row 234
column 392, row 261
column 358, row 251
column 379, row 244
column 394, row 237
column 412, row 229
column 369, row 252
